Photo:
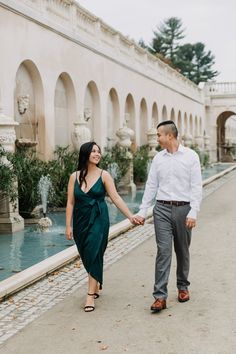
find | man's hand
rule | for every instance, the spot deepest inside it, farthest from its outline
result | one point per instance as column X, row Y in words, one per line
column 138, row 220
column 190, row 223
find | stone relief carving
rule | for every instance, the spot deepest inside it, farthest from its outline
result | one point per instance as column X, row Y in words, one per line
column 8, row 138
column 87, row 114
column 23, row 103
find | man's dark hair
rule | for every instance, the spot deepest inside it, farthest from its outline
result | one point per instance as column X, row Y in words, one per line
column 170, row 127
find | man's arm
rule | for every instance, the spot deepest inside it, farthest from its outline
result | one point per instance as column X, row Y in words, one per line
column 150, row 191
column 196, row 192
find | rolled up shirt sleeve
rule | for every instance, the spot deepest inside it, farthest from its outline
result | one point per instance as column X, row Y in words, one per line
column 150, row 190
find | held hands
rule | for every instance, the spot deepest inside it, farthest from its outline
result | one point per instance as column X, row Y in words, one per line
column 68, row 232
column 137, row 220
column 190, row 223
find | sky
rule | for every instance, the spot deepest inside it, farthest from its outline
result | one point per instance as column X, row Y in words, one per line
column 209, row 21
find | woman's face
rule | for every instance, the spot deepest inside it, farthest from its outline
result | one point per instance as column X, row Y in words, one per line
column 95, row 155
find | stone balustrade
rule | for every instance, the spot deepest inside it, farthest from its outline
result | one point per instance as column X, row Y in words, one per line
column 220, row 88
column 79, row 25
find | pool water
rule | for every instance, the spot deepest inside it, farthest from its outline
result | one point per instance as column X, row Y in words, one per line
column 30, row 246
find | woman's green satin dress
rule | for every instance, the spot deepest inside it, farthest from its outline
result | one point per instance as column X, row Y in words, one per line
column 91, row 227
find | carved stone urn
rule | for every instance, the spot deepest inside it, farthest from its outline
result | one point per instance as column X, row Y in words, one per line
column 187, row 139
column 81, row 133
column 152, row 142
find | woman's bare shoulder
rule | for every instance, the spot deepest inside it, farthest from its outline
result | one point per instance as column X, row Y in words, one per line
column 73, row 175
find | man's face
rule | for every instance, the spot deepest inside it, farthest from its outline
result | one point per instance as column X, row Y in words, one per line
column 162, row 137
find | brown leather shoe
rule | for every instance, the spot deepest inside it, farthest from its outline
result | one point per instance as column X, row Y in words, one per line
column 158, row 305
column 183, row 295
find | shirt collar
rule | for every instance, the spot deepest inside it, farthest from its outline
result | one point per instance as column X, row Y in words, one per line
column 181, row 149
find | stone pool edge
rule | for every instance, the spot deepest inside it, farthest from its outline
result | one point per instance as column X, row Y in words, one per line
column 32, row 274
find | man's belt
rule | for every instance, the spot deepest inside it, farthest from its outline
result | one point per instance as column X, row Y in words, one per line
column 173, row 202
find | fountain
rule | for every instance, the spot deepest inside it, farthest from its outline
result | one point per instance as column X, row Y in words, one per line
column 44, row 186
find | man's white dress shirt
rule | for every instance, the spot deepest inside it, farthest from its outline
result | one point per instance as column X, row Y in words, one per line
column 174, row 177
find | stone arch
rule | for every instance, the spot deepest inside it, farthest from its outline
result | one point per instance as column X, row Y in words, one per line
column 172, row 115
column 196, row 126
column 164, row 113
column 29, row 105
column 223, row 148
column 92, row 110
column 130, row 113
column 191, row 125
column 185, row 127
column 180, row 125
column 143, row 122
column 200, row 126
column 155, row 119
column 64, row 109
column 113, row 116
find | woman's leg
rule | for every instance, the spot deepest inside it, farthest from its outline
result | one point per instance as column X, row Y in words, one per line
column 92, row 288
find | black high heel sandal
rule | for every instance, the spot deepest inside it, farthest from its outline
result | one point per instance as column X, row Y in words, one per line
column 89, row 308
column 96, row 295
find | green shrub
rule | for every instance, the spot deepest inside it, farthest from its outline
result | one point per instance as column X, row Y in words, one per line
column 28, row 169
column 115, row 156
column 59, row 169
column 141, row 164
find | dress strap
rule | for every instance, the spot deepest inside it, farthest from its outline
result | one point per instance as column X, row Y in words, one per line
column 101, row 173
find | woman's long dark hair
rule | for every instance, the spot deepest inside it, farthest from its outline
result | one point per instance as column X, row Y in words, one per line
column 84, row 153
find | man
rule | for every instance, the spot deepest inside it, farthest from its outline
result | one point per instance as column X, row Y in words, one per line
column 175, row 180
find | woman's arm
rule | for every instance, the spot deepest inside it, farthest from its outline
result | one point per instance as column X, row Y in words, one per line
column 70, row 206
column 115, row 197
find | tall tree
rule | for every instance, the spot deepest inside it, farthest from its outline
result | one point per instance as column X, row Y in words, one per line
column 192, row 60
column 195, row 63
column 166, row 38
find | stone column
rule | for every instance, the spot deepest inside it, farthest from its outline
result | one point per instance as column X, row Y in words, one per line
column 10, row 220
column 125, row 134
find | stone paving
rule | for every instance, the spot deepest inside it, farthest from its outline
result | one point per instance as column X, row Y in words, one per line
column 28, row 304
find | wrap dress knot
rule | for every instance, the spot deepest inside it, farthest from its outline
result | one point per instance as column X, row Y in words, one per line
column 91, row 227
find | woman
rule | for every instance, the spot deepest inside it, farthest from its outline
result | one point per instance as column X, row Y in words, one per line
column 87, row 188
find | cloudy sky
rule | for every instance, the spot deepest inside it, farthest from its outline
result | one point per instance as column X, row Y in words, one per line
column 209, row 21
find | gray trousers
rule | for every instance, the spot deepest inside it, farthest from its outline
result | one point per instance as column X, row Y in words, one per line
column 169, row 222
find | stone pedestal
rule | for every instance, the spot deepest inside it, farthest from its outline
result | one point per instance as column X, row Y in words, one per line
column 125, row 134
column 127, row 184
column 10, row 220
column 199, row 141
